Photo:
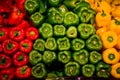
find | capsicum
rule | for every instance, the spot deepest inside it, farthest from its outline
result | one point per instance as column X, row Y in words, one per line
column 88, row 70
column 62, row 9
column 53, row 2
column 39, row 45
column 81, row 56
column 46, row 30
column 5, row 61
column 63, row 43
column 77, row 44
column 43, row 6
column 71, row 32
column 39, row 70
column 103, row 70
column 20, row 5
column 51, row 44
column 20, row 59
column 72, row 68
column 35, row 57
column 64, row 56
column 94, row 43
column 1, row 48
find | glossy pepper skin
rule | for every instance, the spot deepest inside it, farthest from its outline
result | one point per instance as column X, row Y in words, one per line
column 53, row 2
column 72, row 68
column 5, row 61
column 20, row 59
column 7, row 74
column 94, row 42
column 88, row 70
column 46, row 30
column 71, row 32
column 35, row 57
column 51, row 44
column 10, row 46
column 77, row 44
column 23, row 72
column 103, row 70
column 63, row 43
column 20, row 5
column 63, row 9
column 64, row 56
column 39, row 45
column 86, row 30
column 39, row 71
column 81, row 56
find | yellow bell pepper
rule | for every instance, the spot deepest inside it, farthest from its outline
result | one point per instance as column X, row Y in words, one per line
column 116, row 11
column 118, row 43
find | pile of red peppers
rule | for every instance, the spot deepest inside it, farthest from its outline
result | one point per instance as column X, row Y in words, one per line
column 16, row 39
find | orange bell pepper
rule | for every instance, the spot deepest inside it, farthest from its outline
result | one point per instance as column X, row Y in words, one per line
column 118, row 43
column 100, row 31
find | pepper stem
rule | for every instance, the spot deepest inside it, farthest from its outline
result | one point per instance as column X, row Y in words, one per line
column 20, row 58
column 110, row 38
column 16, row 33
column 103, row 13
column 1, row 33
column 9, row 46
column 118, row 70
column 111, row 56
column 6, row 76
column 3, row 60
column 23, row 70
column 25, row 45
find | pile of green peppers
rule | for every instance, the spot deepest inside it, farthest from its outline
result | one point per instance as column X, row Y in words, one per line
column 68, row 45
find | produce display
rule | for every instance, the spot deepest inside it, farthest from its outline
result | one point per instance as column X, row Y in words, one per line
column 50, row 39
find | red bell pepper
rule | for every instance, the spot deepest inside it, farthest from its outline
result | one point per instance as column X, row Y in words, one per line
column 20, row 59
column 3, row 33
column 1, row 49
column 26, row 45
column 10, row 46
column 17, row 34
column 15, row 17
column 1, row 20
column 7, row 74
column 32, row 33
column 5, row 61
column 23, row 72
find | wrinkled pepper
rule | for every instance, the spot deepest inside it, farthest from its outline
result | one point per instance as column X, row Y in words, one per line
column 71, row 32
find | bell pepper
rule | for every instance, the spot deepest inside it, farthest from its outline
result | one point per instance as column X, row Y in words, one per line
column 64, row 56
column 115, row 71
column 25, row 45
column 72, row 68
column 88, row 70
column 71, row 32
column 23, row 72
column 117, row 46
column 101, row 31
column 51, row 76
column 46, row 30
column 3, row 33
column 39, row 71
column 5, row 61
column 111, row 56
column 31, row 6
column 77, row 44
column 1, row 48
column 81, row 56
column 71, row 19
column 51, row 44
column 17, row 34
column 20, row 5
column 95, row 57
column 109, row 39
column 10, row 46
column 20, row 59
column 1, row 20
column 103, row 70
column 43, row 6
column 32, row 33
column 86, row 30
column 39, row 45
column 49, row 57
column 7, row 74
column 62, row 9
column 115, row 12
column 37, row 19
column 94, row 43
column 35, row 57
column 63, row 43
column 53, row 3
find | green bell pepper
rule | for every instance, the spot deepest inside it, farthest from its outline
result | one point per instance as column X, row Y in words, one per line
column 81, row 56
column 103, row 70
column 31, row 6
column 53, row 2
column 37, row 19
column 39, row 71
column 88, row 70
column 77, row 44
column 35, row 57
column 62, row 9
column 49, row 57
column 64, row 56
column 95, row 57
column 94, row 43
column 71, row 32
column 86, row 30
column 59, row 30
column 63, row 43
column 72, row 68
column 71, row 19
column 39, row 45
column 46, row 30
column 43, row 6
column 51, row 44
